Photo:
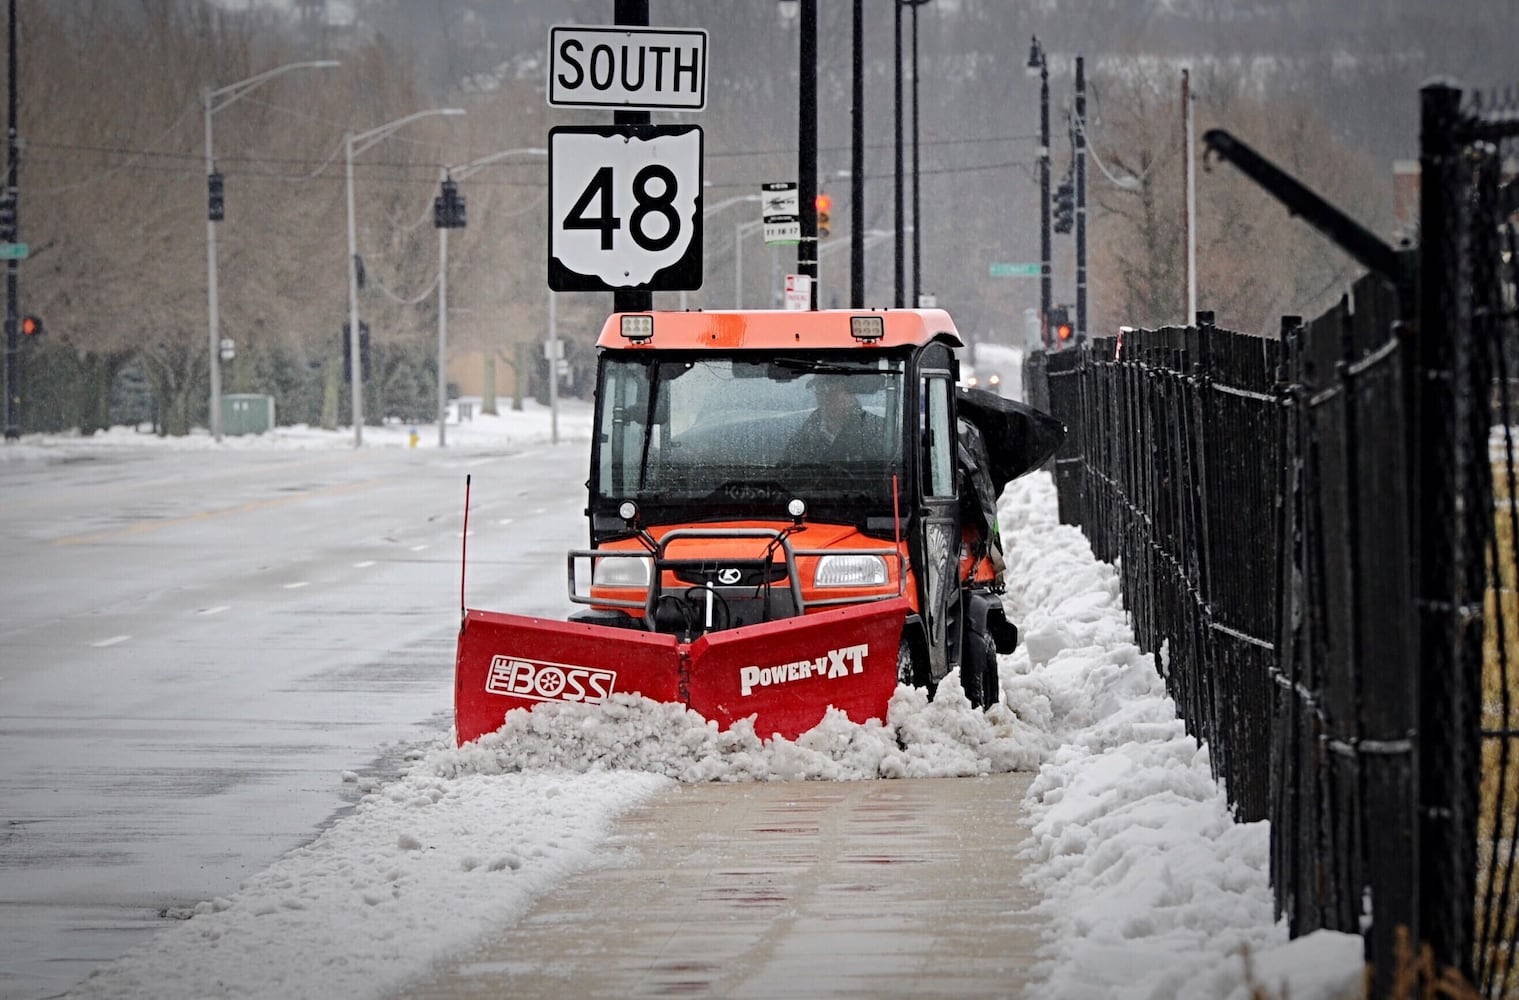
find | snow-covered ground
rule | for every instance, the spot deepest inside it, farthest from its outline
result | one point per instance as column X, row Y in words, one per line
column 1149, row 888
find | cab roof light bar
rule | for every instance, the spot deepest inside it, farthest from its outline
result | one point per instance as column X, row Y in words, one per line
column 867, row 329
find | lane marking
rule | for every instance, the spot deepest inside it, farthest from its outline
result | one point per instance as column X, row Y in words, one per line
column 113, row 640
column 298, row 584
column 207, row 612
column 504, row 521
column 143, row 527
column 418, row 548
column 364, row 565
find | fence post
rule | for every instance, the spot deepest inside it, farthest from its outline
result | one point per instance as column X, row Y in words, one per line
column 1447, row 878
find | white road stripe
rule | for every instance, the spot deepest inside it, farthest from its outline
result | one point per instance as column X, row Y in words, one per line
column 298, row 584
column 113, row 640
column 364, row 565
column 213, row 611
column 418, row 548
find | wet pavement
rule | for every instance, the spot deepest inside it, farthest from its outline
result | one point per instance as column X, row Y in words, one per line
column 892, row 888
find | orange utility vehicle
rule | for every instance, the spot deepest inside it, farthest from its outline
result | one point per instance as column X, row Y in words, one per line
column 788, row 510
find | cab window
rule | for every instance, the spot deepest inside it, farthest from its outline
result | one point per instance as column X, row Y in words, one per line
column 939, row 443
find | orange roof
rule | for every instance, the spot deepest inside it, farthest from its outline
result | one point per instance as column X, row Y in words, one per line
column 777, row 329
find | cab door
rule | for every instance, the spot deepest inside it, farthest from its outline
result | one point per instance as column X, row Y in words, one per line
column 939, row 523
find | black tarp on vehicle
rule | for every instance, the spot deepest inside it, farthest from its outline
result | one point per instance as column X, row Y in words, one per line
column 1018, row 438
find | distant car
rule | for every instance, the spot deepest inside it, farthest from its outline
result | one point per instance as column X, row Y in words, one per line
column 970, row 379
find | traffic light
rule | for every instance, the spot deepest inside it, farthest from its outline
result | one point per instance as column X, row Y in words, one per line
column 825, row 222
column 363, row 351
column 31, row 326
column 1060, row 326
column 7, row 220
column 216, row 206
column 1065, row 207
column 448, row 207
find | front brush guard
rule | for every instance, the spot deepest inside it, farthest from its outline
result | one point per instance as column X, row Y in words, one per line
column 778, row 544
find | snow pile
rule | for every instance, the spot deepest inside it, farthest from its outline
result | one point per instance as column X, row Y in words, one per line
column 533, row 424
column 422, row 868
column 942, row 738
column 1150, row 888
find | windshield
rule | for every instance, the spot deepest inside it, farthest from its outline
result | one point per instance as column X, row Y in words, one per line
column 745, row 435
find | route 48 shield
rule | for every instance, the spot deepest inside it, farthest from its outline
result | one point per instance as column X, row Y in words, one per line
column 625, row 207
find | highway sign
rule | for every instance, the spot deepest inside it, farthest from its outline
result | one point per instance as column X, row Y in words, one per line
column 615, row 66
column 1014, row 270
column 14, row 251
column 625, row 207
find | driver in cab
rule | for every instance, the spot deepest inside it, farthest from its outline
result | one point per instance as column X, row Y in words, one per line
column 840, row 429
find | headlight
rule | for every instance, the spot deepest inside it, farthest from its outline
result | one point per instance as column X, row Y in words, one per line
column 624, row 571
column 850, row 571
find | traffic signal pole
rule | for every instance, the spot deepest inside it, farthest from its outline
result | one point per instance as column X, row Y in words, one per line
column 807, row 147
column 1046, row 294
column 1081, row 202
column 13, row 265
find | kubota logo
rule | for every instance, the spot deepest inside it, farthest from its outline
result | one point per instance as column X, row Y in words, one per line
column 729, row 576
column 834, row 663
column 548, row 681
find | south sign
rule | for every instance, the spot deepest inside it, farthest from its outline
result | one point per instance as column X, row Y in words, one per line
column 625, row 67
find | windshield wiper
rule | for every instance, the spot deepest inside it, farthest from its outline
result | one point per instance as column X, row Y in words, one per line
column 824, row 367
column 648, row 429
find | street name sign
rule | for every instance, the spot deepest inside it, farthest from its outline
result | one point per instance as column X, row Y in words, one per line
column 1014, row 270
column 14, row 251
column 625, row 208
column 615, row 66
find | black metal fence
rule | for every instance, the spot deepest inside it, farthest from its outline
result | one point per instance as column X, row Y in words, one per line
column 1307, row 537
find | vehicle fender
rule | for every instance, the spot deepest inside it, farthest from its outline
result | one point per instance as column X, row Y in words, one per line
column 985, row 615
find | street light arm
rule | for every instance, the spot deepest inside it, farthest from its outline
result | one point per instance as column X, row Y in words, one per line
column 234, row 91
column 360, row 141
column 459, row 173
column 738, row 199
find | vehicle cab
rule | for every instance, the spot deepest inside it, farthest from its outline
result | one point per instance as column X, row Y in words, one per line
column 719, row 497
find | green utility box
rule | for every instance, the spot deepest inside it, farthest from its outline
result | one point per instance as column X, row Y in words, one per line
column 247, row 413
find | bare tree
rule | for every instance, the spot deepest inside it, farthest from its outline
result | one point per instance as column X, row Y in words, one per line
column 1254, row 261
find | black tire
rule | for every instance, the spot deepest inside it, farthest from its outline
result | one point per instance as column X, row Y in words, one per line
column 910, row 670
column 978, row 671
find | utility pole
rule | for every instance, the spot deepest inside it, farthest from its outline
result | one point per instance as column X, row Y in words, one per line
column 1081, row 202
column 901, row 224
column 13, row 265
column 857, row 169
column 1037, row 61
column 807, row 147
column 634, row 13
column 917, row 219
column 1188, row 161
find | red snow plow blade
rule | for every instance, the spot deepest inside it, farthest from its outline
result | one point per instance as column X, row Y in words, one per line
column 786, row 673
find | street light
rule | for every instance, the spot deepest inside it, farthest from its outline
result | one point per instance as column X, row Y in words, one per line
column 1038, row 64
column 213, row 101
column 354, row 143
column 901, row 222
column 738, row 258
column 458, row 174
column 711, row 210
